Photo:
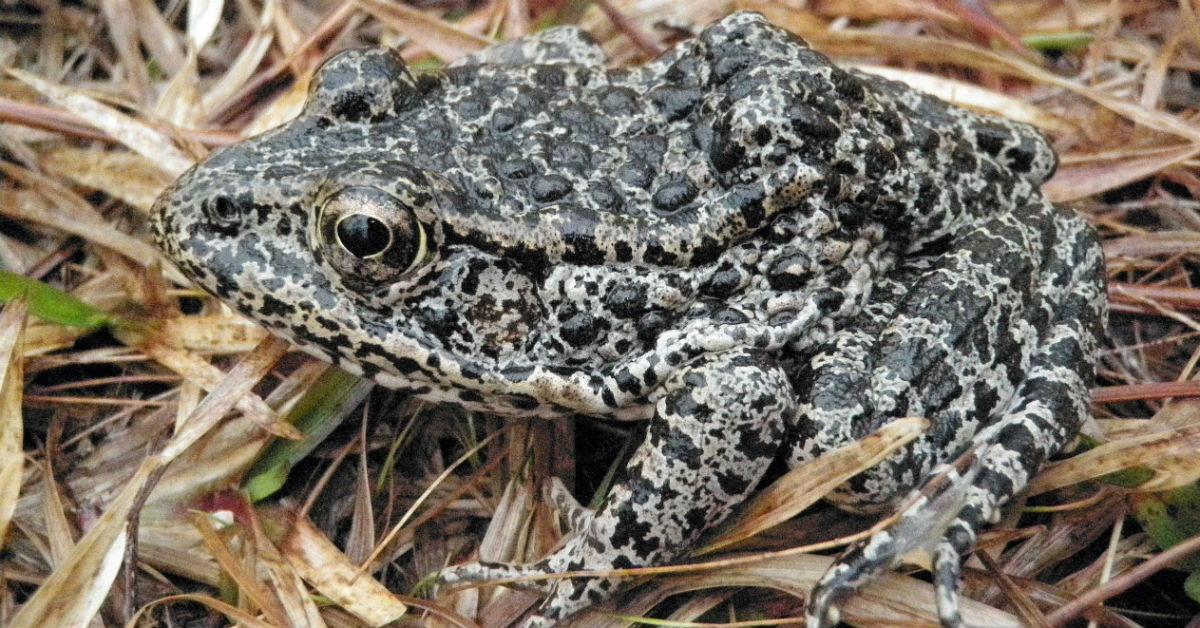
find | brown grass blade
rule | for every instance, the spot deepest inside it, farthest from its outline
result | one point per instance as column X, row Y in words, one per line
column 285, row 581
column 252, row 54
column 195, row 369
column 122, row 30
column 327, row 569
column 28, row 206
column 1171, row 454
column 1080, row 176
column 137, row 135
column 12, row 382
column 159, row 38
column 438, row 36
column 236, row 385
column 126, row 176
column 217, row 334
column 203, row 17
column 59, row 533
column 805, row 485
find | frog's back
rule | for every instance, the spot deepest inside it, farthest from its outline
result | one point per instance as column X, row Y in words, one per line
column 571, row 164
column 568, row 159
column 739, row 190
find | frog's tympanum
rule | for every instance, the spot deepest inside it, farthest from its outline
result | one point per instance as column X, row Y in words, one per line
column 763, row 254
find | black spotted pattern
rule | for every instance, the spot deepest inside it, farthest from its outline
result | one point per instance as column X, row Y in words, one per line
column 752, row 248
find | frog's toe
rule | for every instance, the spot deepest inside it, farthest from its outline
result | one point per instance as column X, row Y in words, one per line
column 576, row 515
column 947, row 577
column 577, row 518
column 484, row 571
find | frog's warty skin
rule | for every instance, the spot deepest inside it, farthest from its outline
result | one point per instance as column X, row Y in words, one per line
column 761, row 253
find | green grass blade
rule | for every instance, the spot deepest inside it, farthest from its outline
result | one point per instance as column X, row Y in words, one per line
column 316, row 415
column 1069, row 41
column 51, row 304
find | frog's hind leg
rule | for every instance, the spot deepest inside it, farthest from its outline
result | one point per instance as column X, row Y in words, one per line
column 962, row 498
column 993, row 343
column 715, row 431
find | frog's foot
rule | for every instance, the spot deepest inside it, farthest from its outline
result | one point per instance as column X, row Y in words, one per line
column 715, row 431
column 944, row 516
column 569, row 509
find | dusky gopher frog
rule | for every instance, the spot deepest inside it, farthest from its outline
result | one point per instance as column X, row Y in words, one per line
column 763, row 254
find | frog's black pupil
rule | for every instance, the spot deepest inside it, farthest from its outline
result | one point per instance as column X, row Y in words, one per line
column 225, row 208
column 362, row 235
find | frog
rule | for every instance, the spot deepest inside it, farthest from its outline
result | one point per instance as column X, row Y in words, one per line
column 762, row 254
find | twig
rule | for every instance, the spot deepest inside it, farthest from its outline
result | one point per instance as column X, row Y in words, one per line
column 1122, row 583
column 632, row 30
column 1182, row 298
column 1145, row 392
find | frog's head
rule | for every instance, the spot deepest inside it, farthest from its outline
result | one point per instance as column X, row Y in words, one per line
column 325, row 232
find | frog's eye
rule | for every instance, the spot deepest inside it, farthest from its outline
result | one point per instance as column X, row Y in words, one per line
column 363, row 236
column 370, row 234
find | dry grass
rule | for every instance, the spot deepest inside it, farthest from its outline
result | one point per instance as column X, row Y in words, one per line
column 131, row 393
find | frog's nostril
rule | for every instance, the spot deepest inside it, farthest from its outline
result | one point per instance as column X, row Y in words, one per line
column 222, row 212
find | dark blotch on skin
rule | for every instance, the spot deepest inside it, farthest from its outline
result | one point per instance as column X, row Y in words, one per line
column 517, row 167
column 549, row 188
column 809, row 122
column 636, row 175
column 651, row 324
column 605, row 197
column 723, row 283
column 581, row 329
column 626, row 300
column 674, row 194
column 674, row 102
column 619, row 100
column 790, row 272
column 504, row 119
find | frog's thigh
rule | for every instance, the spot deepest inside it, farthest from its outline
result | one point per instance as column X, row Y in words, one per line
column 1044, row 411
column 715, row 431
column 1048, row 403
column 947, row 337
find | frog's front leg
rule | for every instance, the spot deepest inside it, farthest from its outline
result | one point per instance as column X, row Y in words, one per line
column 715, row 430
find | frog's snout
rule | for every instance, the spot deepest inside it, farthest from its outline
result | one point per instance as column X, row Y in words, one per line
column 163, row 216
column 197, row 206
